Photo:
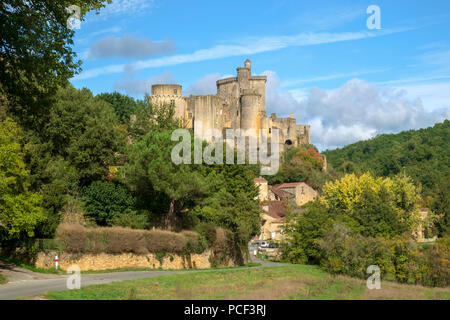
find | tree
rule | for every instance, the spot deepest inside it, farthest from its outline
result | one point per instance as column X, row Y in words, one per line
column 152, row 117
column 303, row 228
column 382, row 206
column 20, row 209
column 85, row 131
column 124, row 106
column 106, row 201
column 237, row 213
column 150, row 169
column 35, row 50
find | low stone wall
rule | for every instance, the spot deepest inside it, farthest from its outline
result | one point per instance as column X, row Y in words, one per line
column 104, row 261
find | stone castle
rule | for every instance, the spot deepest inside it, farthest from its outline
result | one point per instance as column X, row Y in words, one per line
column 240, row 103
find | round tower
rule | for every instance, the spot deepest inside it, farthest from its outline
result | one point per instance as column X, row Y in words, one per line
column 249, row 111
column 169, row 94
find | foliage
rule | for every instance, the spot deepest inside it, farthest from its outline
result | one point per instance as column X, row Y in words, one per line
column 106, row 201
column 36, row 55
column 381, row 206
column 152, row 117
column 304, row 227
column 420, row 154
column 77, row 239
column 151, row 170
column 20, row 209
column 131, row 219
column 124, row 106
column 236, row 213
column 304, row 164
column 344, row 252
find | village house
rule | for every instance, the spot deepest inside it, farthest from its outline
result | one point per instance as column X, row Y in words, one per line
column 274, row 200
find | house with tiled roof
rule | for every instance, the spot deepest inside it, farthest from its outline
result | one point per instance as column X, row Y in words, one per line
column 274, row 200
column 272, row 220
column 300, row 192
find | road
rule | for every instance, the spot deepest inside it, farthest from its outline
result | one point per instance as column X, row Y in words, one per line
column 24, row 283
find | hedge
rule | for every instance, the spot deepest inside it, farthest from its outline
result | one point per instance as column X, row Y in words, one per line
column 78, row 239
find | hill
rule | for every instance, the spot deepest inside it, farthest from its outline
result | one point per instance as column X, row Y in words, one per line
column 422, row 154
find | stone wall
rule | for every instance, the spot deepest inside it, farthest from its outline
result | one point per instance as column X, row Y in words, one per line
column 105, row 261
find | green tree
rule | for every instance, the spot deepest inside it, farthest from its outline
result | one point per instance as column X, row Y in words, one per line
column 85, row 131
column 150, row 169
column 35, row 50
column 105, row 201
column 303, row 229
column 124, row 106
column 20, row 209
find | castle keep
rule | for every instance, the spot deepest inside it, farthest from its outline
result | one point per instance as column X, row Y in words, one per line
column 240, row 103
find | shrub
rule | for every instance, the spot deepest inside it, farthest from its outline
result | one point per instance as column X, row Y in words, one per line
column 107, row 200
column 78, row 239
column 131, row 219
column 351, row 254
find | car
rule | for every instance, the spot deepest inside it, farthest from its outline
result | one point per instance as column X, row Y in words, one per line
column 263, row 244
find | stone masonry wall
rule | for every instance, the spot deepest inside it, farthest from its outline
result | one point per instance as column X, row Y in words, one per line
column 105, row 261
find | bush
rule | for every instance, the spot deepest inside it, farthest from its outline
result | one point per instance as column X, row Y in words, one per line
column 131, row 219
column 78, row 239
column 303, row 230
column 351, row 254
column 107, row 200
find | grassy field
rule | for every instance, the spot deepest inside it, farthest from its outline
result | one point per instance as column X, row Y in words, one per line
column 284, row 282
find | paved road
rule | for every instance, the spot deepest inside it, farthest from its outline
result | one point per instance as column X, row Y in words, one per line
column 24, row 283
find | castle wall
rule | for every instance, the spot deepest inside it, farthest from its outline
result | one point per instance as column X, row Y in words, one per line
column 240, row 103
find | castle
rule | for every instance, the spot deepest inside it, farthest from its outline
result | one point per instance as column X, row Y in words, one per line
column 240, row 103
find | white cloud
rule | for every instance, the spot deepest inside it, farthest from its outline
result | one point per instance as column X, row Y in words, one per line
column 129, row 47
column 139, row 87
column 204, row 86
column 295, row 82
column 356, row 111
column 246, row 46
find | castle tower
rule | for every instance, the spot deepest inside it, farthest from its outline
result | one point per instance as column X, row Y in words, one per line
column 170, row 94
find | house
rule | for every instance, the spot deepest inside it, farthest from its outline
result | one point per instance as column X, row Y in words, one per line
column 300, row 192
column 274, row 200
column 272, row 220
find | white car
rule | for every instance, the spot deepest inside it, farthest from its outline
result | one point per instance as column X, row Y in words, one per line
column 263, row 244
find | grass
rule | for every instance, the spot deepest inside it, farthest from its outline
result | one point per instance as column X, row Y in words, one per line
column 3, row 279
column 282, row 282
column 251, row 264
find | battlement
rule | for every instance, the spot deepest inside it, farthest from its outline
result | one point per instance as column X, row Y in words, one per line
column 240, row 103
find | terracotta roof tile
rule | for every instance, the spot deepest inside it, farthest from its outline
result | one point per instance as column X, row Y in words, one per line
column 277, row 209
column 281, row 193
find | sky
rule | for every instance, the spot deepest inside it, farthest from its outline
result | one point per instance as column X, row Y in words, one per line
column 347, row 71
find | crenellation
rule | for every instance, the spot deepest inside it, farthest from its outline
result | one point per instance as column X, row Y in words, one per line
column 240, row 103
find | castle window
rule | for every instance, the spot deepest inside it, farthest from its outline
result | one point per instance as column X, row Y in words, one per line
column 175, row 91
column 237, row 113
column 172, row 102
column 288, row 142
column 270, row 130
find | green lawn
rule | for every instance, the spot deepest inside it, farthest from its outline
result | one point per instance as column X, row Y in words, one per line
column 284, row 282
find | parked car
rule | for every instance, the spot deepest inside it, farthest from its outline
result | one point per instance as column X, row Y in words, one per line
column 263, row 244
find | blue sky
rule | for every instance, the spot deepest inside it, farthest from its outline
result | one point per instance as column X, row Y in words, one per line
column 323, row 63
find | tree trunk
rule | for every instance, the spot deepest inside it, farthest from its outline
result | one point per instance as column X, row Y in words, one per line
column 170, row 219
